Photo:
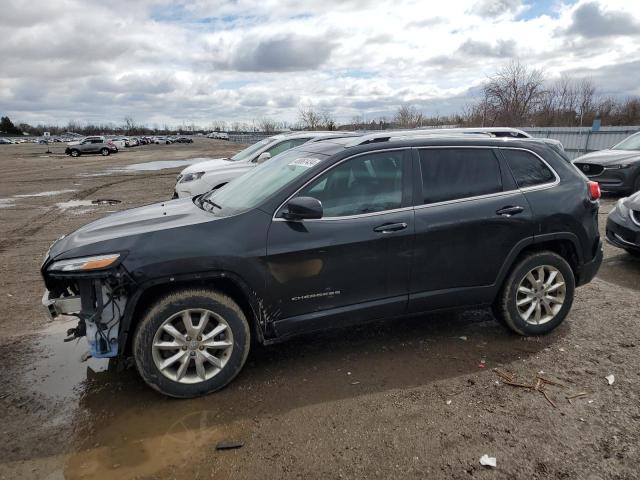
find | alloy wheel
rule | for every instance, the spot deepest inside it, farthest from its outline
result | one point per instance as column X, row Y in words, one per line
column 541, row 294
column 192, row 346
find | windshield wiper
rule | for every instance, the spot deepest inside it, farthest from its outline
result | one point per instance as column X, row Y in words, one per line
column 210, row 202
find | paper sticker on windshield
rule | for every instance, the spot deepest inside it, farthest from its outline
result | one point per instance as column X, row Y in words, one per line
column 304, row 162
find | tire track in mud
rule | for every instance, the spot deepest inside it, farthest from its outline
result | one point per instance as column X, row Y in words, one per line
column 33, row 226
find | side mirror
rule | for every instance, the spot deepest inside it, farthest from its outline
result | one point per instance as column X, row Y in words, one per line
column 303, row 208
column 263, row 156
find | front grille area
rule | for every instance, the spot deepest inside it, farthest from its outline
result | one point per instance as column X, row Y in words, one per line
column 590, row 169
column 635, row 216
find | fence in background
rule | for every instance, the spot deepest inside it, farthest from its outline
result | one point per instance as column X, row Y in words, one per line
column 580, row 140
column 248, row 138
column 576, row 140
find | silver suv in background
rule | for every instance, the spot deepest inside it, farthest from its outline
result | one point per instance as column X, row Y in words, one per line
column 96, row 144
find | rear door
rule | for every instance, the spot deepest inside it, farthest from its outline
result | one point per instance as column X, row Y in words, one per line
column 355, row 260
column 470, row 216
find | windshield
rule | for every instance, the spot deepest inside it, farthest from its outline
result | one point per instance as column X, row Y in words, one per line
column 247, row 152
column 248, row 190
column 629, row 143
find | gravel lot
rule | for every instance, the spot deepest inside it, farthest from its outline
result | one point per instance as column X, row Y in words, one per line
column 414, row 398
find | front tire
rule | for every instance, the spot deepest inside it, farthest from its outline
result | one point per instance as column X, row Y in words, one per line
column 105, row 152
column 537, row 295
column 191, row 342
column 75, row 153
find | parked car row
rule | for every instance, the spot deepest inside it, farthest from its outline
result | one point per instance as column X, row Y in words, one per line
column 322, row 229
column 106, row 146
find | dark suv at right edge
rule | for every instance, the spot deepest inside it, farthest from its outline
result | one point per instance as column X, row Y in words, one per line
column 329, row 234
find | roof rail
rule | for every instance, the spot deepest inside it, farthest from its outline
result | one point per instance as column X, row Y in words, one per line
column 391, row 135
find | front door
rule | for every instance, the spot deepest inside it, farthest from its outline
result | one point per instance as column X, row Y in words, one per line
column 353, row 262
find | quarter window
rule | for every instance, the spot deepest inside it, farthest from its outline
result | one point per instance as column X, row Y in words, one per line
column 455, row 173
column 528, row 170
column 366, row 184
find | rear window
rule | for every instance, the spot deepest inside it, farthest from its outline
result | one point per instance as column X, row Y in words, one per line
column 455, row 173
column 528, row 170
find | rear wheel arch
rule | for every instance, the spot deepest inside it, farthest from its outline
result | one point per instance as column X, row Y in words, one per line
column 223, row 283
column 562, row 244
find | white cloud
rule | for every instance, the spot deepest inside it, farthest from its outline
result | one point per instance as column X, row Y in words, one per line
column 165, row 61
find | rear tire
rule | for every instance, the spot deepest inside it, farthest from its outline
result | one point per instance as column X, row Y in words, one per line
column 212, row 360
column 105, row 152
column 537, row 295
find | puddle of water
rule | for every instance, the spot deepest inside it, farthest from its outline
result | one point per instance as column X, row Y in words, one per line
column 44, row 194
column 60, row 370
column 161, row 165
column 74, row 204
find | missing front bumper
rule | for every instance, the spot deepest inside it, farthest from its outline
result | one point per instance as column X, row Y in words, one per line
column 99, row 311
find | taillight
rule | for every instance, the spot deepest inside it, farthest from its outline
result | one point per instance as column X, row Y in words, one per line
column 594, row 190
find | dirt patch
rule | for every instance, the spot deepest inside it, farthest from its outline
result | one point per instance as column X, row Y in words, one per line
column 415, row 398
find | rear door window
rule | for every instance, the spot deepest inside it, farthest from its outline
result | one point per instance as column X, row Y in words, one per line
column 457, row 173
column 528, row 170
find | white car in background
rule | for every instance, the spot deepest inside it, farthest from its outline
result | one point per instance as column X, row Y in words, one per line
column 204, row 176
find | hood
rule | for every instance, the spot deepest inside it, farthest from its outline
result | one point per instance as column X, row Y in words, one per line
column 609, row 157
column 76, row 142
column 136, row 221
column 207, row 165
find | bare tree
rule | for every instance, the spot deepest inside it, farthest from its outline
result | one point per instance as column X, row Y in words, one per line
column 309, row 117
column 512, row 95
column 327, row 122
column 408, row 116
column 586, row 100
column 267, row 125
column 130, row 125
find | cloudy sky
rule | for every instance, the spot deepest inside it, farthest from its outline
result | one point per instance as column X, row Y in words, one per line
column 169, row 62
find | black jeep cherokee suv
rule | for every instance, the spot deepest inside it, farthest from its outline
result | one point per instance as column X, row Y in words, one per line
column 330, row 234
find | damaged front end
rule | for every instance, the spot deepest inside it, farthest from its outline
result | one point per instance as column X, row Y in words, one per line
column 93, row 289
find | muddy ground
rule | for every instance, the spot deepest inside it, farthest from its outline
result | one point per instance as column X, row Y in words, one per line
column 414, row 398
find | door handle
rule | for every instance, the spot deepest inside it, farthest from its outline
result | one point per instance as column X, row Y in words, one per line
column 390, row 227
column 510, row 210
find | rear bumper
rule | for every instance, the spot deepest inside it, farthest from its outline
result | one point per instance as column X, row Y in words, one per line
column 589, row 270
